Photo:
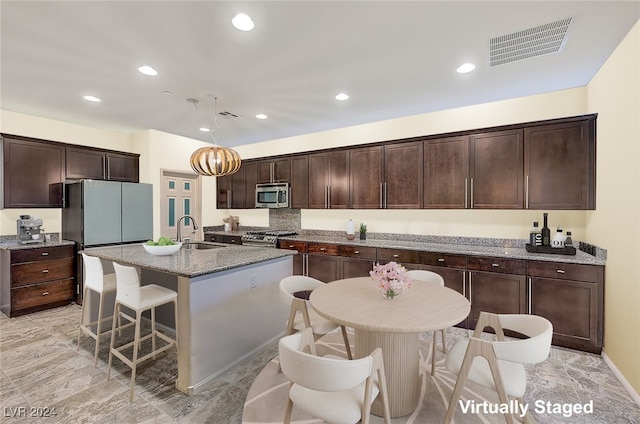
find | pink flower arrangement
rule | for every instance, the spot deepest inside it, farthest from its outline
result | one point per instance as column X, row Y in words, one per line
column 392, row 278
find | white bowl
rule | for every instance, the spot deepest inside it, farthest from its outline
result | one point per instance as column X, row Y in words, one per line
column 35, row 236
column 162, row 250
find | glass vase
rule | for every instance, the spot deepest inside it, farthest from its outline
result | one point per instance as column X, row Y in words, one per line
column 390, row 294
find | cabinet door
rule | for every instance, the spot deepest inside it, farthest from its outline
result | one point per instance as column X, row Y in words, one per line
column 250, row 181
column 356, row 267
column 446, row 173
column 497, row 293
column 403, row 176
column 223, row 192
column 122, row 167
column 454, row 279
column 497, row 170
column 572, row 308
column 324, row 268
column 278, row 170
column 299, row 182
column 33, row 174
column 238, row 189
column 85, row 163
column 318, row 181
column 366, row 178
column 339, row 180
column 560, row 166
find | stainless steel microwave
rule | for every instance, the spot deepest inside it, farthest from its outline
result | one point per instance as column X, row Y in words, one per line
column 272, row 195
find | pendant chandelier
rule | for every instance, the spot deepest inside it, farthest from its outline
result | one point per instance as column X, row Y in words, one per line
column 214, row 161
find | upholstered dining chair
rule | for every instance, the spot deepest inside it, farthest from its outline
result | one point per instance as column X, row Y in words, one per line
column 499, row 364
column 332, row 389
column 435, row 278
column 300, row 316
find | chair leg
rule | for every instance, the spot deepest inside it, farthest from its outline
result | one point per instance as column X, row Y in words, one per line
column 153, row 331
column 175, row 312
column 84, row 302
column 444, row 341
column 134, row 362
column 433, row 354
column 289, row 409
column 345, row 337
column 116, row 310
column 98, row 330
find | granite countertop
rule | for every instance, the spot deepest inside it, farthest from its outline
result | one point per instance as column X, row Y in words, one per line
column 14, row 245
column 455, row 248
column 189, row 262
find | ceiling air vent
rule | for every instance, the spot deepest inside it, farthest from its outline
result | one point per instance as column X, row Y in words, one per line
column 541, row 40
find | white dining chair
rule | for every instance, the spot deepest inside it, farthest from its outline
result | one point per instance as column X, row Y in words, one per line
column 499, row 364
column 337, row 391
column 95, row 281
column 434, row 278
column 138, row 298
column 301, row 316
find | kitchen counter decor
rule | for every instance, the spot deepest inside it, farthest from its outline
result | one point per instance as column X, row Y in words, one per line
column 392, row 279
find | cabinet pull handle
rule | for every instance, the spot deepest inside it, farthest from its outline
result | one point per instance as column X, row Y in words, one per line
column 495, row 265
column 45, row 293
column 471, row 193
column 466, row 193
column 440, row 259
column 357, row 252
column 322, row 249
column 396, row 256
column 381, row 197
column 526, row 193
column 44, row 271
column 530, row 296
column 291, row 246
column 385, row 195
column 45, row 253
column 560, row 271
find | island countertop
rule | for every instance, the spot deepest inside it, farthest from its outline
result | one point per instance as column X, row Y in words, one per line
column 189, row 262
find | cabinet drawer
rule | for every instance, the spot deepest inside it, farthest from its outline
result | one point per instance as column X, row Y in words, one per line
column 37, row 272
column 357, row 252
column 218, row 238
column 564, row 271
column 300, row 246
column 41, row 294
column 41, row 254
column 439, row 259
column 237, row 240
column 323, row 249
column 507, row 266
column 398, row 255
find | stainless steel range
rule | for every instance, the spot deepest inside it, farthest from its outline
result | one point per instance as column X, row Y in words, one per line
column 268, row 238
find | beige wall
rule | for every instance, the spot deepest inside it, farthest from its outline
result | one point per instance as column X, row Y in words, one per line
column 615, row 94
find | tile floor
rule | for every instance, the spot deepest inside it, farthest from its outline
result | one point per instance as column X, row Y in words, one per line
column 41, row 368
column 41, row 371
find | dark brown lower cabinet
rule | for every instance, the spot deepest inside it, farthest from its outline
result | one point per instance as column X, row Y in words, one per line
column 571, row 297
column 497, row 293
column 323, row 267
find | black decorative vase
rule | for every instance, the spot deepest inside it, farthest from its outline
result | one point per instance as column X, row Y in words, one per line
column 363, row 236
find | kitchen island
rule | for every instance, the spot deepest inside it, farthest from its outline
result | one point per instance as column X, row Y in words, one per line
column 228, row 301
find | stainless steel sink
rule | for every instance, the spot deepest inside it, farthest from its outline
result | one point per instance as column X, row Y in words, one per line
column 203, row 245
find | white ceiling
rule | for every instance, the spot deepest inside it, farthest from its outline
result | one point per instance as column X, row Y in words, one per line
column 393, row 58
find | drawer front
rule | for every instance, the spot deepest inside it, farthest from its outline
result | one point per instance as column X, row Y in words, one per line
column 357, row 252
column 41, row 254
column 507, row 266
column 237, row 240
column 300, row 246
column 37, row 272
column 41, row 294
column 323, row 249
column 564, row 271
column 397, row 255
column 217, row 238
column 440, row 259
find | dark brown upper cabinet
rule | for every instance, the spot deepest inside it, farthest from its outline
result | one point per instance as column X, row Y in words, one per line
column 33, row 173
column 403, row 176
column 496, row 175
column 329, row 180
column 299, row 182
column 366, row 177
column 122, row 167
column 276, row 170
column 97, row 164
column 446, row 173
column 250, row 181
column 560, row 165
column 238, row 190
column 223, row 192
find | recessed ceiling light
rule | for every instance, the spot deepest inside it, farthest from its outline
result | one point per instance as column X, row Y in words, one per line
column 261, row 116
column 204, row 129
column 342, row 96
column 148, row 70
column 242, row 22
column 92, row 99
column 466, row 67
column 167, row 93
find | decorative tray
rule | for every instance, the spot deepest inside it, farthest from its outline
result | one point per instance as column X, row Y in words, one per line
column 567, row 250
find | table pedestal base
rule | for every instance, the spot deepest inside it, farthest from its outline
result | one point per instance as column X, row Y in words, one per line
column 401, row 363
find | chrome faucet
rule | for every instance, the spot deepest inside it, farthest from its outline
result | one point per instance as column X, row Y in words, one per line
column 195, row 226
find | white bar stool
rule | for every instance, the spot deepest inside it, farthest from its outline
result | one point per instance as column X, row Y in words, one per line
column 139, row 298
column 96, row 281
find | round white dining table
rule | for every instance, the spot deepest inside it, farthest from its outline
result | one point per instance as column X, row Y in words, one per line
column 393, row 325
